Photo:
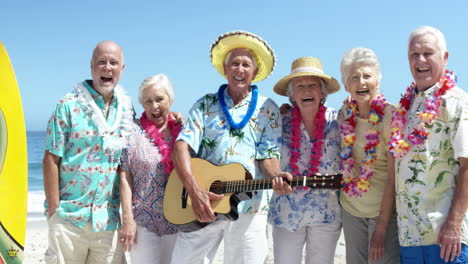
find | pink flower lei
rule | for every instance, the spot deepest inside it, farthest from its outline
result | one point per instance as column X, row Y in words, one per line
column 355, row 186
column 400, row 144
column 159, row 141
column 295, row 145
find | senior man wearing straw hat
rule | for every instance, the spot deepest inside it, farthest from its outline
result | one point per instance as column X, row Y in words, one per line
column 311, row 145
column 236, row 124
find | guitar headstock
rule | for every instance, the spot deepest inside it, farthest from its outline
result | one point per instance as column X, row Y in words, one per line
column 324, row 181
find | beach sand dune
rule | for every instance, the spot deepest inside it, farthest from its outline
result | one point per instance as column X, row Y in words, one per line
column 36, row 236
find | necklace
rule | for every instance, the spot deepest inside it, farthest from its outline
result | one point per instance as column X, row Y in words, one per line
column 153, row 132
column 400, row 144
column 122, row 122
column 295, row 144
column 355, row 186
column 250, row 111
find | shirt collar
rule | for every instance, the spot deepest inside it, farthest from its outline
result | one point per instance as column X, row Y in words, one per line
column 230, row 102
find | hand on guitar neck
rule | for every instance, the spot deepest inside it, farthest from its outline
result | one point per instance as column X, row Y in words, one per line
column 281, row 183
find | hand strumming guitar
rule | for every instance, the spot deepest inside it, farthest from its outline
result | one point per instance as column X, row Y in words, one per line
column 201, row 205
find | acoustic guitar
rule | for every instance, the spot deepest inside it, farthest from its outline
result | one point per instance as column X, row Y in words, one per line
column 229, row 180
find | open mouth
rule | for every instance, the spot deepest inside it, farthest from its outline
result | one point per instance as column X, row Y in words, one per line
column 361, row 92
column 106, row 79
column 421, row 69
column 239, row 78
column 156, row 115
column 308, row 99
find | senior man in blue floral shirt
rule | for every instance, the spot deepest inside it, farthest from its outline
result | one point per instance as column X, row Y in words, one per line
column 85, row 137
column 236, row 124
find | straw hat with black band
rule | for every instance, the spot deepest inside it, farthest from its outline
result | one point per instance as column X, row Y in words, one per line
column 241, row 39
column 306, row 66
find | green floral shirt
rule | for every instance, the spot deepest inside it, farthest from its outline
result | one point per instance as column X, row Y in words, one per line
column 88, row 180
column 426, row 177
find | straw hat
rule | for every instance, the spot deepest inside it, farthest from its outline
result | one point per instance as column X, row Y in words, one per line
column 306, row 66
column 241, row 39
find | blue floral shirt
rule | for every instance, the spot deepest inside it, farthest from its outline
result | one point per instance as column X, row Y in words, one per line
column 88, row 181
column 305, row 206
column 209, row 135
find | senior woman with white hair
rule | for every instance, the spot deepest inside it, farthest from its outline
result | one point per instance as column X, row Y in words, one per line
column 311, row 145
column 144, row 170
column 368, row 193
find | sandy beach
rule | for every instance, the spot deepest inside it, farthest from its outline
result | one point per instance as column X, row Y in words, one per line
column 36, row 235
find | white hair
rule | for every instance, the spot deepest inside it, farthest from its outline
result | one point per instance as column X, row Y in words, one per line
column 362, row 57
column 160, row 81
column 422, row 30
column 323, row 88
column 252, row 56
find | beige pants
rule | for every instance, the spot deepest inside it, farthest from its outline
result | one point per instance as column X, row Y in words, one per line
column 70, row 244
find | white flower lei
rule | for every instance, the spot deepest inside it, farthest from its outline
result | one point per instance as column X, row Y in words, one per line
column 123, row 119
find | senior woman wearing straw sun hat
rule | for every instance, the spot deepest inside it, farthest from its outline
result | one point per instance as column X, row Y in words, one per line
column 234, row 124
column 367, row 196
column 311, row 145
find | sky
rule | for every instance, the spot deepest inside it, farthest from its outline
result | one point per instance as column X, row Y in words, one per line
column 50, row 42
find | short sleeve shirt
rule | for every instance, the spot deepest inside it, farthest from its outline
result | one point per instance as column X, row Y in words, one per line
column 210, row 136
column 306, row 206
column 142, row 158
column 368, row 205
column 88, row 181
column 426, row 177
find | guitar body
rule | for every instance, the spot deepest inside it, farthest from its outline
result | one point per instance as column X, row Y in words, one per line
column 177, row 203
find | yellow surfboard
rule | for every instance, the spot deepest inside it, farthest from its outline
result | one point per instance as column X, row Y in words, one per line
column 13, row 166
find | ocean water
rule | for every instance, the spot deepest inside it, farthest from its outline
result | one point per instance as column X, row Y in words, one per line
column 36, row 144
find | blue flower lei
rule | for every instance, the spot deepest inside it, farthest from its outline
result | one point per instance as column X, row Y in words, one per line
column 250, row 111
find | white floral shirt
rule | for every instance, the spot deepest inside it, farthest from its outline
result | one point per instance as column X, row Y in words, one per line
column 426, row 177
column 305, row 206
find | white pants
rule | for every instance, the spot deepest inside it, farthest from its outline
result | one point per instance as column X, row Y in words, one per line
column 319, row 239
column 151, row 248
column 70, row 244
column 245, row 242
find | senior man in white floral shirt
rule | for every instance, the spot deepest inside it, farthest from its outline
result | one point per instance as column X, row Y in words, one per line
column 430, row 145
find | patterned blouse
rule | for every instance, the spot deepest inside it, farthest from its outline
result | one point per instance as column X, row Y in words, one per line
column 426, row 177
column 141, row 158
column 305, row 206
column 209, row 135
column 88, row 180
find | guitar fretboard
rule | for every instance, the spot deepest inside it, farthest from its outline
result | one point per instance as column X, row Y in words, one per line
column 318, row 181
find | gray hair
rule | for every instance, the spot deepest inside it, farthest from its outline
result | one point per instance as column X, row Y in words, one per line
column 423, row 30
column 252, row 56
column 290, row 90
column 362, row 57
column 160, row 81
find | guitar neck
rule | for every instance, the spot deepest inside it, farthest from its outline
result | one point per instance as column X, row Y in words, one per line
column 318, row 181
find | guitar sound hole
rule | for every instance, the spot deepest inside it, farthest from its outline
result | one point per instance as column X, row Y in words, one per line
column 217, row 187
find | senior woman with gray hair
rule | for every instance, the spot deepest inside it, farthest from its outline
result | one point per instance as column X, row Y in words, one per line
column 311, row 145
column 367, row 196
column 144, row 170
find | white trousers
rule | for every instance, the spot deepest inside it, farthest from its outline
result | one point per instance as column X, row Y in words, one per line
column 245, row 242
column 319, row 239
column 152, row 248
